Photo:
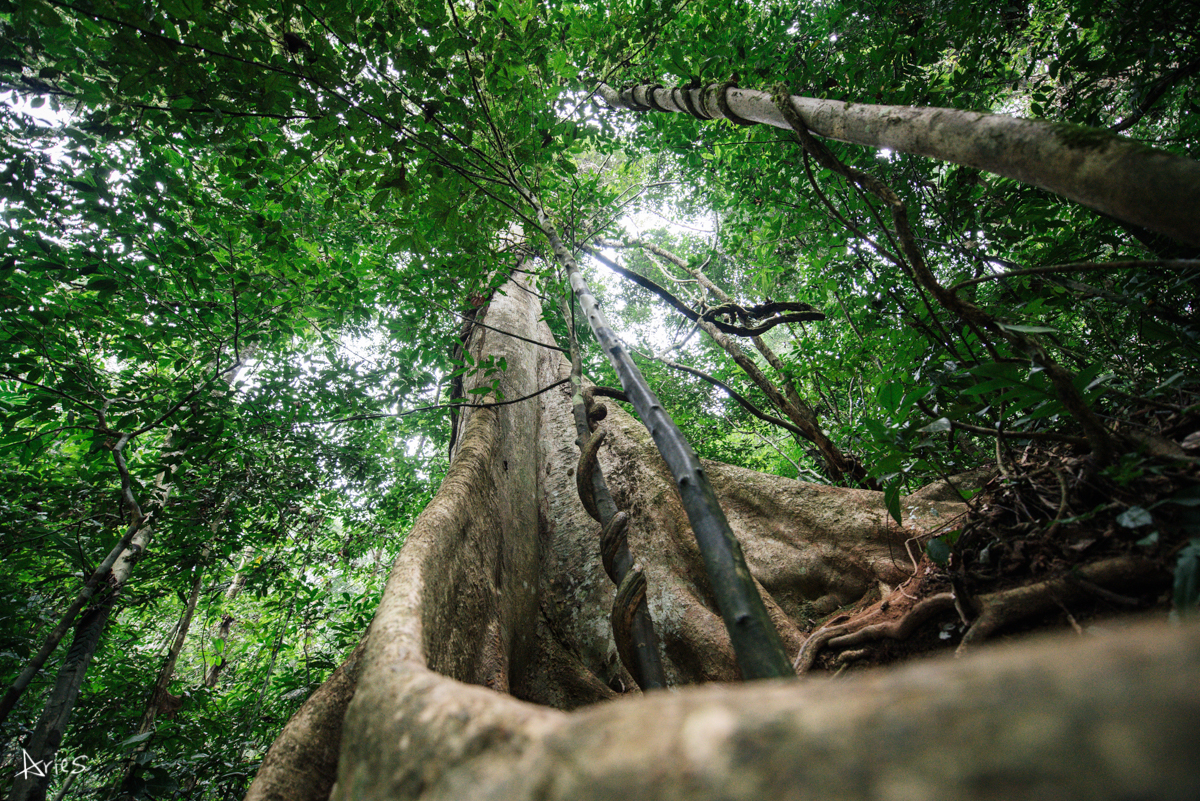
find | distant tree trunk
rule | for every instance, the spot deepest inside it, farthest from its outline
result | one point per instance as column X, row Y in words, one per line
column 56, row 714
column 159, row 696
column 47, row 735
column 224, row 628
column 160, row 699
column 113, row 571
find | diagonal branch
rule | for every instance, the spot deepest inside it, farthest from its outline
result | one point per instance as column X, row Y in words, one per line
column 1126, row 179
column 809, row 314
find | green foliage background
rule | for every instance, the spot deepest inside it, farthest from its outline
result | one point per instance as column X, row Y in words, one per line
column 329, row 186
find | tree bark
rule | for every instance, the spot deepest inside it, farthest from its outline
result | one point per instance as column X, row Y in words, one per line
column 755, row 639
column 1104, row 718
column 160, row 699
column 493, row 635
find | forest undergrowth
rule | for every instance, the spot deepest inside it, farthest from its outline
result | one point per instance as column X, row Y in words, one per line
column 1050, row 540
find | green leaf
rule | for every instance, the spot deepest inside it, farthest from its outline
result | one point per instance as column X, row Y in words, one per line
column 1188, row 496
column 135, row 739
column 1135, row 517
column 1186, row 595
column 938, row 551
column 891, row 497
column 890, row 395
column 103, row 284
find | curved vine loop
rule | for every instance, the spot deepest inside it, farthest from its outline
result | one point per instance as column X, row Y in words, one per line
column 631, row 593
column 637, row 645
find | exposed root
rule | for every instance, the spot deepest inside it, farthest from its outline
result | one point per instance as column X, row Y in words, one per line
column 992, row 610
column 846, row 657
column 998, row 609
column 813, row 645
column 898, row 629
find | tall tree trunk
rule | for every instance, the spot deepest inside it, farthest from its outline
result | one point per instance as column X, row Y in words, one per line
column 50, row 645
column 47, row 735
column 114, row 570
column 460, row 686
column 500, row 584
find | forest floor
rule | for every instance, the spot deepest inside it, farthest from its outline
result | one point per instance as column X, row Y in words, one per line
column 1050, row 540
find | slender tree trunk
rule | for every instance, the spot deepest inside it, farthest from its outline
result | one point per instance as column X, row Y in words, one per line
column 224, row 628
column 56, row 714
column 86, row 593
column 159, row 698
column 47, row 735
column 159, row 695
column 115, row 569
column 756, row 641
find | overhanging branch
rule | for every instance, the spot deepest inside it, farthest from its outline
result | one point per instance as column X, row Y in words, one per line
column 1114, row 175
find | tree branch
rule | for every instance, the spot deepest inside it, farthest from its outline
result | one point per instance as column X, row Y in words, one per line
column 708, row 316
column 382, row 415
column 1083, row 266
column 1128, row 180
